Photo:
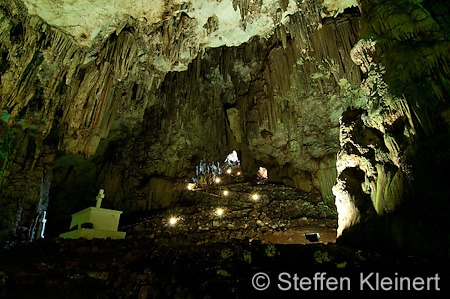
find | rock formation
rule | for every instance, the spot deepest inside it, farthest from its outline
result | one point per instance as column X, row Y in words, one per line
column 130, row 97
column 392, row 189
column 132, row 103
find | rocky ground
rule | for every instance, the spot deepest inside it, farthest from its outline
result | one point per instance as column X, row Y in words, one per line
column 208, row 254
column 228, row 210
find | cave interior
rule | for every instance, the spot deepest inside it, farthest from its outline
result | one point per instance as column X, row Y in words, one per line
column 230, row 137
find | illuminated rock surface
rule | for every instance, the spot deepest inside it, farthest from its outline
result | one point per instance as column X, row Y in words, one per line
column 392, row 185
column 346, row 104
column 137, row 105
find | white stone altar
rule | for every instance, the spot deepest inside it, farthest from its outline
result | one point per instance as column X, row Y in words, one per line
column 95, row 223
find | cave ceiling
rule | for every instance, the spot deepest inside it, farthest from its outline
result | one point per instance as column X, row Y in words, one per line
column 130, row 96
column 75, row 57
column 236, row 20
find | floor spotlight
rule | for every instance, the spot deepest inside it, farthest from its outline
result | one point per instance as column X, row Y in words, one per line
column 173, row 221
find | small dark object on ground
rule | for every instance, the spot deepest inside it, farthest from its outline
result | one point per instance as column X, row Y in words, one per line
column 312, row 237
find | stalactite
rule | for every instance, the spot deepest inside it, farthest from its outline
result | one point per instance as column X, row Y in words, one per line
column 167, row 96
column 225, row 63
column 92, row 78
column 403, row 53
column 283, row 4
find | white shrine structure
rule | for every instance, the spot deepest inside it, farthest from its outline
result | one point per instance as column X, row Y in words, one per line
column 95, row 223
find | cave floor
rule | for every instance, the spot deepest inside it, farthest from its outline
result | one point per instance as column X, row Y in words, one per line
column 280, row 215
column 205, row 255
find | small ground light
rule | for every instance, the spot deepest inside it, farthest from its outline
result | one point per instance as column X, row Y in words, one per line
column 173, row 221
column 229, row 171
column 217, row 180
column 219, row 212
column 238, row 173
column 190, row 186
column 255, row 196
column 225, row 192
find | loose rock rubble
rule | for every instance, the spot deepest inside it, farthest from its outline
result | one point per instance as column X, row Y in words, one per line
column 279, row 215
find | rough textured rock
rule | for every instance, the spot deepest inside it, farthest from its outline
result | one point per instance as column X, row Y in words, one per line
column 132, row 100
column 135, row 105
column 391, row 189
column 281, row 124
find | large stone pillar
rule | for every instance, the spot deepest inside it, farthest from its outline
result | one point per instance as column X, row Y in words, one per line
column 391, row 189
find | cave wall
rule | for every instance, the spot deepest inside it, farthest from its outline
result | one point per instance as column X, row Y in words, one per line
column 135, row 111
column 136, row 108
column 235, row 98
column 392, row 189
column 24, row 182
column 57, row 95
column 287, row 118
column 60, row 96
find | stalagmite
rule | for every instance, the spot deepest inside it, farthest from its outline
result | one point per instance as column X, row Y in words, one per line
column 385, row 163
